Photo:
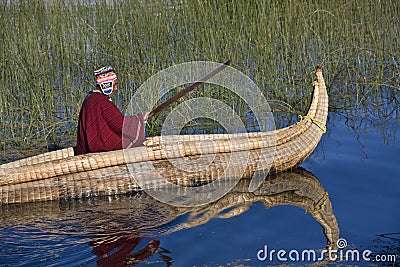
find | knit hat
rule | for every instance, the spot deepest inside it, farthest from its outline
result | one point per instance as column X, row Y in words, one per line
column 105, row 78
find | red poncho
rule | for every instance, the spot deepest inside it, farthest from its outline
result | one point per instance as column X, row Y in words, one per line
column 101, row 126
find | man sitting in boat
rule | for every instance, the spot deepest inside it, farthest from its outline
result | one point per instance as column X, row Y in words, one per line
column 101, row 124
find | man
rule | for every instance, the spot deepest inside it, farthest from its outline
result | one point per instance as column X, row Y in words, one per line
column 101, row 124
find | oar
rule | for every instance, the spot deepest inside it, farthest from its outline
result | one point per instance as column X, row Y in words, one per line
column 188, row 89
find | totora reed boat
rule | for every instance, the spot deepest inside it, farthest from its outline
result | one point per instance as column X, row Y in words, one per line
column 210, row 157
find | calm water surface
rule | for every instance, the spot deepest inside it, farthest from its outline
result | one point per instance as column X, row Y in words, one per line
column 358, row 168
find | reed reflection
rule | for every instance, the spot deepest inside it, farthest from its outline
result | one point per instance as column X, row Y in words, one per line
column 125, row 230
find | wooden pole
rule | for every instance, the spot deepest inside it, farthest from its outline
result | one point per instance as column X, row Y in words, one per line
column 188, row 89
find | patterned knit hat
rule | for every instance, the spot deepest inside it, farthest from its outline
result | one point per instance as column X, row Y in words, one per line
column 105, row 78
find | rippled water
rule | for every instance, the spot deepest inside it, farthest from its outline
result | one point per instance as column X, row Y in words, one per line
column 357, row 167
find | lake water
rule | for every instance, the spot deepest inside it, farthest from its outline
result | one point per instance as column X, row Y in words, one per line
column 358, row 167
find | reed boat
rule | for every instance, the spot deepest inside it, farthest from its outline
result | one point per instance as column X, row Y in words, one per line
column 62, row 175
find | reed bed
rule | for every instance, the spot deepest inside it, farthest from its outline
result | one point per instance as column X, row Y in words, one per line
column 49, row 50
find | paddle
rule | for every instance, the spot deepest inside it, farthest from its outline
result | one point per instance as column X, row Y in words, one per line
column 187, row 89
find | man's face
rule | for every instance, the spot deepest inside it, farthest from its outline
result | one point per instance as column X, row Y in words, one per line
column 115, row 88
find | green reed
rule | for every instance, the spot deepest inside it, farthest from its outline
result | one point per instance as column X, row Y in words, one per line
column 49, row 50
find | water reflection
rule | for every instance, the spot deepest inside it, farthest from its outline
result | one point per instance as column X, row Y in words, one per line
column 125, row 230
column 116, row 249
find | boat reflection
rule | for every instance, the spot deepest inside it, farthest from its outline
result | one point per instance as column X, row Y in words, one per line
column 125, row 230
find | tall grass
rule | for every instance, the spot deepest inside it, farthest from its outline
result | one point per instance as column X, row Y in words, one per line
column 49, row 49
